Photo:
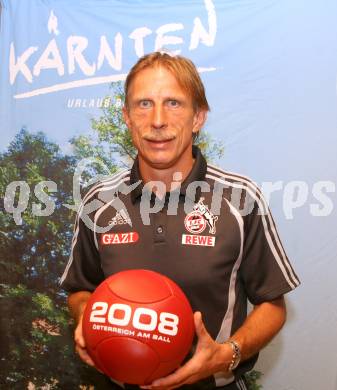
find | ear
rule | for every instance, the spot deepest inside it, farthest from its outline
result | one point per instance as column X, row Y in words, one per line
column 126, row 116
column 199, row 120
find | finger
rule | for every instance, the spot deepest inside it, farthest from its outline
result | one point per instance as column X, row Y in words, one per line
column 164, row 386
column 83, row 354
column 190, row 380
column 78, row 336
column 200, row 328
column 79, row 340
column 169, row 382
column 151, row 387
column 177, row 378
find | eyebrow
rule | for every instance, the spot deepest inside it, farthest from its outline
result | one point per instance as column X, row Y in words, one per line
column 177, row 98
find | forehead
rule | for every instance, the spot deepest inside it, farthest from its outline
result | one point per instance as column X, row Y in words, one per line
column 156, row 81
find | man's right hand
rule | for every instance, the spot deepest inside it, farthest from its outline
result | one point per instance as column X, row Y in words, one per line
column 80, row 346
column 77, row 302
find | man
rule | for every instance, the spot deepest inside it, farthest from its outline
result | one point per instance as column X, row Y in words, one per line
column 212, row 232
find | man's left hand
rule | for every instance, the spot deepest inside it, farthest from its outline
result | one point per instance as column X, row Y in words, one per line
column 209, row 357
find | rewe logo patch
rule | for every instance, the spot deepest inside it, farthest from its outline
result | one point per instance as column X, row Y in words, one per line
column 119, row 238
column 190, row 239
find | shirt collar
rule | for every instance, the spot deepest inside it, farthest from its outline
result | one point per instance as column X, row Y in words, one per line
column 198, row 173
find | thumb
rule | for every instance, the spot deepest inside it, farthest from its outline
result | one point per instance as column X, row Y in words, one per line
column 200, row 329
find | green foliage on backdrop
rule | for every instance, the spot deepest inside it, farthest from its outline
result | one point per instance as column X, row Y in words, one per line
column 36, row 343
column 36, row 346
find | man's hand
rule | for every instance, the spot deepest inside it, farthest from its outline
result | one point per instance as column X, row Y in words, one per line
column 209, row 357
column 259, row 328
column 80, row 347
column 77, row 302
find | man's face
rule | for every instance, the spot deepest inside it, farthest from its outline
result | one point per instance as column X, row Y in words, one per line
column 161, row 119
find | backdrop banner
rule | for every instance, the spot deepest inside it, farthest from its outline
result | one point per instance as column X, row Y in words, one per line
column 269, row 69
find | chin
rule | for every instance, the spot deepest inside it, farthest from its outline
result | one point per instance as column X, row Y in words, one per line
column 159, row 159
column 160, row 163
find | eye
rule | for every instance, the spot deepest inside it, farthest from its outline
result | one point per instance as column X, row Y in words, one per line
column 173, row 103
column 145, row 103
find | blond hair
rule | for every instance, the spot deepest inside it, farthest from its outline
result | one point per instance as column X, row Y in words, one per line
column 182, row 69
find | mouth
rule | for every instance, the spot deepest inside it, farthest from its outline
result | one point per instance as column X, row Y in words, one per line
column 159, row 143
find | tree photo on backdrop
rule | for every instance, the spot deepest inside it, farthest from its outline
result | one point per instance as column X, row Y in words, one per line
column 37, row 215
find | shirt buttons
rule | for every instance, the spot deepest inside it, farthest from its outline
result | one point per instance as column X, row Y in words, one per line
column 160, row 229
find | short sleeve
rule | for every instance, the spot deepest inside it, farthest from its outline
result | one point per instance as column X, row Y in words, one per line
column 83, row 271
column 265, row 269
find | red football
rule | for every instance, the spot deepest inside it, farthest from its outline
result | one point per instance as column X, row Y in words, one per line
column 138, row 326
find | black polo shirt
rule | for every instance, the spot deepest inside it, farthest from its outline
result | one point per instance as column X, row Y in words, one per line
column 214, row 236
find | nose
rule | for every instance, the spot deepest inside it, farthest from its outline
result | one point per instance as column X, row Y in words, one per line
column 158, row 117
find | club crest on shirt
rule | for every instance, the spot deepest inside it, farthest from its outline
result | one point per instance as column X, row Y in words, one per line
column 196, row 220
